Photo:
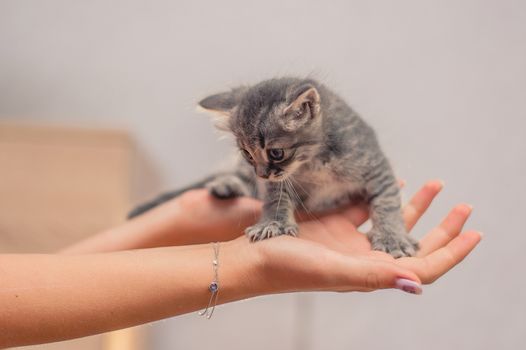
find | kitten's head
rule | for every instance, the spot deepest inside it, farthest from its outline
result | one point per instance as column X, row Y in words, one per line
column 277, row 123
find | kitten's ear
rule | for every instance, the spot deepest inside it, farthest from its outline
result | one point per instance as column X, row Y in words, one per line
column 222, row 105
column 304, row 107
column 219, row 104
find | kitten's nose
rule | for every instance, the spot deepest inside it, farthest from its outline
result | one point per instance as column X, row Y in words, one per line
column 263, row 172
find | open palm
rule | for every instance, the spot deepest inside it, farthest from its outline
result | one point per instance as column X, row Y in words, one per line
column 331, row 253
column 335, row 239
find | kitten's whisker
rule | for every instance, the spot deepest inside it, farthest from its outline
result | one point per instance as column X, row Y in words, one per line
column 254, row 210
column 304, row 181
column 298, row 198
column 307, row 211
column 291, row 191
column 300, row 186
column 292, row 181
column 279, row 200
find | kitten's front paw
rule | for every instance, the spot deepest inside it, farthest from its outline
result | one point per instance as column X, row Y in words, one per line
column 394, row 243
column 227, row 186
column 268, row 229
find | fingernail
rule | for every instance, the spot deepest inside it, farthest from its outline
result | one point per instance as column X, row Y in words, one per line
column 469, row 206
column 408, row 286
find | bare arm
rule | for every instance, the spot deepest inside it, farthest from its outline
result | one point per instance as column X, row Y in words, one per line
column 45, row 298
column 192, row 218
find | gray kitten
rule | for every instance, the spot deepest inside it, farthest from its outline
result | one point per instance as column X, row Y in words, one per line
column 305, row 148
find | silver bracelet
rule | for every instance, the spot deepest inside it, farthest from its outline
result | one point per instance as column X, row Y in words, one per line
column 214, row 285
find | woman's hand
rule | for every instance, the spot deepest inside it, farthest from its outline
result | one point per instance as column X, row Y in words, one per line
column 331, row 254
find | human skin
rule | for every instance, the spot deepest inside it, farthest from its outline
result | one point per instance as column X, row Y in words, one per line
column 110, row 281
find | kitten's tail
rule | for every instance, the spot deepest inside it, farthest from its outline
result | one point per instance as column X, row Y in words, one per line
column 165, row 197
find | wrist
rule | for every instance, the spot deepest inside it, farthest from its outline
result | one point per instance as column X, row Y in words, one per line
column 241, row 268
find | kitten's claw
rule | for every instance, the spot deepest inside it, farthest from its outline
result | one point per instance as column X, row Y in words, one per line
column 396, row 244
column 268, row 229
column 228, row 186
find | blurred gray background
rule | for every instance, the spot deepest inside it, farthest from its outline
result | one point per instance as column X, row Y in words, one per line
column 443, row 82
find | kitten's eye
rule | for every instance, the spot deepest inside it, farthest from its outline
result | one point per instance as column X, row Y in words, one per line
column 276, row 154
column 246, row 154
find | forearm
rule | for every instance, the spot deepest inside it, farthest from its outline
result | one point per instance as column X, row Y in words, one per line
column 47, row 298
column 192, row 218
column 140, row 233
column 152, row 229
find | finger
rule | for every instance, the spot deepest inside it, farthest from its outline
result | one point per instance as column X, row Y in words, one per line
column 420, row 202
column 448, row 229
column 369, row 275
column 436, row 264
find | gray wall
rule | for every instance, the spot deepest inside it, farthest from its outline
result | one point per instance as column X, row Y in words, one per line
column 444, row 83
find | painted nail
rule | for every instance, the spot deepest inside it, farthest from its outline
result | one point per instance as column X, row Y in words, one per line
column 408, row 286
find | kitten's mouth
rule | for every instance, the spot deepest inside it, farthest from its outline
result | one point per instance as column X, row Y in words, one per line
column 277, row 177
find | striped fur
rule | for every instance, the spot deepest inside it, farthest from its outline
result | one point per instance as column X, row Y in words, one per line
column 330, row 156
